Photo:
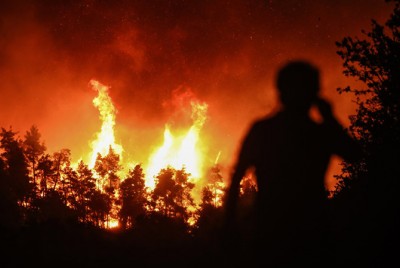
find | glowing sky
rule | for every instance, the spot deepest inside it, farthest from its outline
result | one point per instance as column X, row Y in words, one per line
column 226, row 51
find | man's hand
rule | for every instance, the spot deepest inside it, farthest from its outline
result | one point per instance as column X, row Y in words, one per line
column 324, row 108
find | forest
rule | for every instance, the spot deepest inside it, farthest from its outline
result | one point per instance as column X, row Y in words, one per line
column 55, row 213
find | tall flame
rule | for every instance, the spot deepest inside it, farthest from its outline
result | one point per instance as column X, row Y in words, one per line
column 180, row 151
column 105, row 138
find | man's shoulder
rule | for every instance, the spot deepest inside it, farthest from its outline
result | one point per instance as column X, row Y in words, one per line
column 267, row 121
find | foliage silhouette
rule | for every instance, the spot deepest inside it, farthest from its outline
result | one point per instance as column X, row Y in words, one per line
column 33, row 148
column 133, row 197
column 172, row 194
column 16, row 167
column 366, row 195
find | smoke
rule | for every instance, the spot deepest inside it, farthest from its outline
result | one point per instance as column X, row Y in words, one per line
column 227, row 52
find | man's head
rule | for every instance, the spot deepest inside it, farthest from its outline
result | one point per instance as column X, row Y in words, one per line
column 298, row 85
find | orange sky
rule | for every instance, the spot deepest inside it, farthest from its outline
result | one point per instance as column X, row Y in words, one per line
column 226, row 52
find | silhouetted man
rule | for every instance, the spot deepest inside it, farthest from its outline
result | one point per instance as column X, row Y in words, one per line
column 290, row 153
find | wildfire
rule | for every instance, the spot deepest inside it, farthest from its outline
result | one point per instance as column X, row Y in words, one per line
column 105, row 138
column 180, row 150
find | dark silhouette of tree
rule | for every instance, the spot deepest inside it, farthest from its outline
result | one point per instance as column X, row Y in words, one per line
column 9, row 210
column 85, row 190
column 46, row 171
column 133, row 197
column 100, row 206
column 69, row 182
column 33, row 149
column 52, row 208
column 55, row 197
column 368, row 189
column 70, row 189
column 209, row 224
column 16, row 168
column 172, row 194
column 61, row 164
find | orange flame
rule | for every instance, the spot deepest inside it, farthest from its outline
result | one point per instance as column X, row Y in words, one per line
column 105, row 138
column 181, row 150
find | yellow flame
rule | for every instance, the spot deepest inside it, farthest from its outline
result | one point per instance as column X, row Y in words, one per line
column 180, row 151
column 105, row 138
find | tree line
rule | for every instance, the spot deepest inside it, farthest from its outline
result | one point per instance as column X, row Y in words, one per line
column 41, row 192
column 39, row 187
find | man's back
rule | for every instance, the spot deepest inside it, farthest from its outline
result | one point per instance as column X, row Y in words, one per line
column 290, row 154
